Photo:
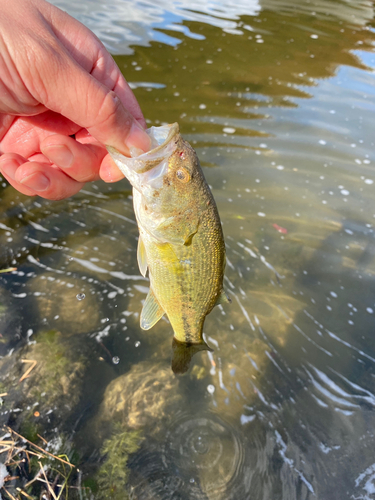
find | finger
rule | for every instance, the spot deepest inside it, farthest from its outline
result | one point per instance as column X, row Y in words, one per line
column 5, row 124
column 80, row 161
column 89, row 102
column 93, row 57
column 25, row 134
column 109, row 172
column 37, row 178
column 8, row 166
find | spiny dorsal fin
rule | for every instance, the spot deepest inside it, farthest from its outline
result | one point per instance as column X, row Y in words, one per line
column 223, row 299
column 151, row 312
column 141, row 256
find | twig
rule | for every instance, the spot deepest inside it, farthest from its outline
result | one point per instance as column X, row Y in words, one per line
column 9, row 270
column 42, row 438
column 29, row 370
column 48, row 484
column 41, row 449
column 56, row 480
column 24, row 493
column 3, row 394
column 10, row 495
column 36, row 478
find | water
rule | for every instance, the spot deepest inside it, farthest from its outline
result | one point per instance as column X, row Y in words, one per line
column 278, row 99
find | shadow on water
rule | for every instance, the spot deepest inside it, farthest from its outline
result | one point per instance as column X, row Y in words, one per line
column 279, row 100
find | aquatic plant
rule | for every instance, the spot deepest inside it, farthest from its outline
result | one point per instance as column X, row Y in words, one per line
column 113, row 474
column 52, row 373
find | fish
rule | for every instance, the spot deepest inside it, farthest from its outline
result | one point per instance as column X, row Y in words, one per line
column 181, row 242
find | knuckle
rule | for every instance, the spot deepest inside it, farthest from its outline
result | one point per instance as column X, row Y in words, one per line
column 111, row 110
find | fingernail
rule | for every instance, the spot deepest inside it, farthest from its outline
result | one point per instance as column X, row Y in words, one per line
column 36, row 181
column 60, row 155
column 138, row 139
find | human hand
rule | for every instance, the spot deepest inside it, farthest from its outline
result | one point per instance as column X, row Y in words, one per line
column 62, row 99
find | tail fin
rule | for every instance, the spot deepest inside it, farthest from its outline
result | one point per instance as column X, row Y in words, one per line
column 182, row 354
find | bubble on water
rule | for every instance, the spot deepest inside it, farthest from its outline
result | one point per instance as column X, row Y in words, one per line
column 202, row 106
column 115, row 360
column 211, row 388
column 314, row 37
column 280, row 167
column 229, row 130
column 261, row 214
column 322, row 142
column 80, row 296
column 137, row 344
column 345, row 192
column 370, row 310
column 369, row 181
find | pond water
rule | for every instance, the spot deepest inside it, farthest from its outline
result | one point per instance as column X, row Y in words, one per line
column 278, row 99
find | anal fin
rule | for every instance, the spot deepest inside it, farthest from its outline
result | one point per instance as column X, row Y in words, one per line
column 223, row 299
column 151, row 312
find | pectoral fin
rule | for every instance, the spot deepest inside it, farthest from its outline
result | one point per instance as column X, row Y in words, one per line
column 151, row 312
column 223, row 299
column 178, row 230
column 141, row 256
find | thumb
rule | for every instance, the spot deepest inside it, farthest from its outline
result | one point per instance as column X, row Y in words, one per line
column 80, row 92
column 91, row 105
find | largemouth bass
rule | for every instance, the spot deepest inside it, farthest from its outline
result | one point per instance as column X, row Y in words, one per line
column 180, row 236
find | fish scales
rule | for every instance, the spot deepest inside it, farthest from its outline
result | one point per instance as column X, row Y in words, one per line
column 181, row 240
column 187, row 279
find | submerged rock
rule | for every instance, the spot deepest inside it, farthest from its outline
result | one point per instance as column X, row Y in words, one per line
column 42, row 379
column 140, row 398
column 65, row 303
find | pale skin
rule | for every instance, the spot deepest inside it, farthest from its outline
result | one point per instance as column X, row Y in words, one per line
column 62, row 99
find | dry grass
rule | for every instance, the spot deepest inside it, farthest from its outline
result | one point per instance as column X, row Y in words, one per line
column 17, row 452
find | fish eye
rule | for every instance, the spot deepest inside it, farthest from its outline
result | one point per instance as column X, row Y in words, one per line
column 183, row 175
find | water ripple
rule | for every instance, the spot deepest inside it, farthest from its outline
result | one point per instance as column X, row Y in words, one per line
column 201, row 457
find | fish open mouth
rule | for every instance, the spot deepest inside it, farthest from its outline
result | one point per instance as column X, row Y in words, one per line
column 162, row 143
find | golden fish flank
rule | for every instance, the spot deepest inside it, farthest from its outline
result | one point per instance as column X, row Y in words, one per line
column 180, row 237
